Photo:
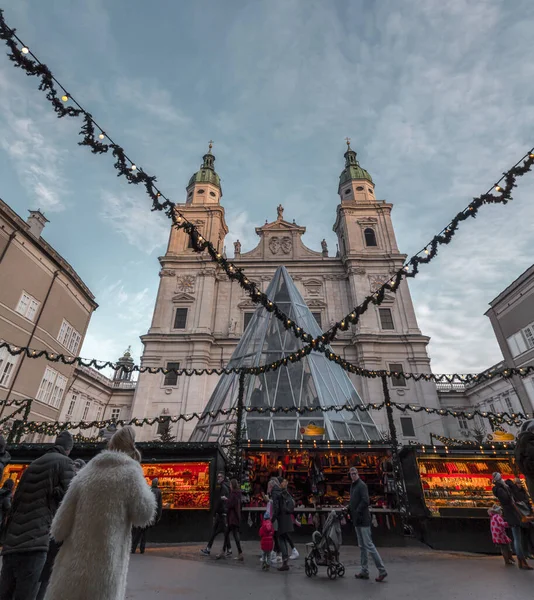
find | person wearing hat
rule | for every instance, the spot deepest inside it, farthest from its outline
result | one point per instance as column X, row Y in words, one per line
column 105, row 500
column 524, row 453
column 512, row 516
column 37, row 498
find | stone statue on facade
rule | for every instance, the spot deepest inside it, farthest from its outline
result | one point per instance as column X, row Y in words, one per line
column 237, row 247
column 280, row 212
column 324, row 247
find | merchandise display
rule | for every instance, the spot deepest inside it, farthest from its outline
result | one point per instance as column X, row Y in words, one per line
column 460, row 482
column 183, row 485
column 318, row 480
column 13, row 471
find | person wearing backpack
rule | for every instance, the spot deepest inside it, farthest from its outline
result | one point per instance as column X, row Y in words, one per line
column 284, row 507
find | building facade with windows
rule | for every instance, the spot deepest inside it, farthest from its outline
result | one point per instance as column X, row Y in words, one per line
column 45, row 305
column 200, row 315
column 511, row 315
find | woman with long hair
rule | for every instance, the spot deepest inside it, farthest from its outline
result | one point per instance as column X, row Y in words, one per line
column 94, row 523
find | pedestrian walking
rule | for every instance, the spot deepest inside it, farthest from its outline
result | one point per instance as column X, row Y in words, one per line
column 139, row 533
column 267, row 541
column 39, row 493
column 5, row 457
column 222, row 491
column 361, row 517
column 233, row 507
column 498, row 533
column 94, row 524
column 524, row 453
column 523, row 504
column 6, row 498
column 53, row 548
column 273, row 492
column 512, row 516
column 284, row 507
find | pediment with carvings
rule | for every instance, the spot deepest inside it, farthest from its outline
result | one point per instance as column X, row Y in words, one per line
column 183, row 298
column 316, row 303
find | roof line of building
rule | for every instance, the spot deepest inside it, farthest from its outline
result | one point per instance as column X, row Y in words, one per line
column 518, row 281
column 22, row 226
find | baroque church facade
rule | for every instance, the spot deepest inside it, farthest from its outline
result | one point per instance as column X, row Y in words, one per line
column 200, row 315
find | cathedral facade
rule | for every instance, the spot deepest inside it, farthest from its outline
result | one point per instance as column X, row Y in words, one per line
column 200, row 315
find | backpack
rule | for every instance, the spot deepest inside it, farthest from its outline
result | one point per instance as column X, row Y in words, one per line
column 288, row 505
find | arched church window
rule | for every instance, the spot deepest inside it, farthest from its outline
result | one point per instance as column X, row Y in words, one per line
column 200, row 191
column 370, row 191
column 213, row 194
column 347, row 192
column 359, row 188
column 370, row 237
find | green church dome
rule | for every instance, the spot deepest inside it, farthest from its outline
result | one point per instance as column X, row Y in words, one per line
column 352, row 168
column 206, row 173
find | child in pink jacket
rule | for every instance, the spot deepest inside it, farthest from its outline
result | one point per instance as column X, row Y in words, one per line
column 498, row 533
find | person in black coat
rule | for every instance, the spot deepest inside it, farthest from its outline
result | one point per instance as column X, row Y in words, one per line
column 5, row 457
column 222, row 492
column 521, row 498
column 361, row 517
column 139, row 533
column 283, row 509
column 6, row 495
column 39, row 493
column 512, row 516
column 524, row 453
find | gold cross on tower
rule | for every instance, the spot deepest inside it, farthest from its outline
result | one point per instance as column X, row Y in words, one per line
column 347, row 139
column 210, row 144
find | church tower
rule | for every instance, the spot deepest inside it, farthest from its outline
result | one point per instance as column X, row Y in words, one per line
column 388, row 336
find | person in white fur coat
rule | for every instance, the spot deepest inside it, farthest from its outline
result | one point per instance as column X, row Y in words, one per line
column 94, row 524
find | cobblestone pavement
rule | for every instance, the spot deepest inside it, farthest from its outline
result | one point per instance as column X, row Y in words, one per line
column 413, row 573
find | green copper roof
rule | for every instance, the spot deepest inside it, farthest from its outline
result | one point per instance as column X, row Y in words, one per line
column 352, row 169
column 207, row 173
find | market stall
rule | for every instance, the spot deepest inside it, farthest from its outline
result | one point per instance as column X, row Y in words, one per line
column 318, row 478
column 186, row 472
column 450, row 490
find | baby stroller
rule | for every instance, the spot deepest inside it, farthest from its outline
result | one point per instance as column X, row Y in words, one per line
column 324, row 548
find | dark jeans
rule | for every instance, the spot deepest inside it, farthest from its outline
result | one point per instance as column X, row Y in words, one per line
column 518, row 543
column 234, row 529
column 284, row 541
column 139, row 538
column 219, row 526
column 20, row 575
column 53, row 550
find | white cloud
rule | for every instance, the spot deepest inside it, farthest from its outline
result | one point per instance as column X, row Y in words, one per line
column 30, row 146
column 131, row 217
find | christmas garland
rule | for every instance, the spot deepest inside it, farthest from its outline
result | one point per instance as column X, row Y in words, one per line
column 468, row 378
column 20, row 55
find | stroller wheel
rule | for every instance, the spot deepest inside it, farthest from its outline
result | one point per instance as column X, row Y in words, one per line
column 340, row 570
column 308, row 568
column 331, row 571
column 314, row 568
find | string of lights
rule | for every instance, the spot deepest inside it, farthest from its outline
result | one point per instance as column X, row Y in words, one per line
column 53, row 427
column 450, row 378
column 94, row 136
column 450, row 441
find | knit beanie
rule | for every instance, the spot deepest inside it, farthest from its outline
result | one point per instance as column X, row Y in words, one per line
column 64, row 439
column 124, row 441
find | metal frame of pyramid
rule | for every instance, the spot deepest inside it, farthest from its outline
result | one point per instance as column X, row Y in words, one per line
column 312, row 382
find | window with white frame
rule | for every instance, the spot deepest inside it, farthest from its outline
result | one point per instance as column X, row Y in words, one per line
column 69, row 337
column 508, row 403
column 463, row 424
column 99, row 413
column 72, row 406
column 52, row 387
column 408, row 429
column 7, row 366
column 86, row 410
column 27, row 306
column 521, row 341
column 115, row 414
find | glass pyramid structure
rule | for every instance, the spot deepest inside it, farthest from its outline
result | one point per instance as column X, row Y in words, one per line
column 314, row 381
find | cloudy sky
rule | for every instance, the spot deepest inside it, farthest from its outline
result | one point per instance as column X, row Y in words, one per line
column 438, row 97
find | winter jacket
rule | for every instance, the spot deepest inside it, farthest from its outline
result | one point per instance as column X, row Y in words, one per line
column 519, row 493
column 510, row 513
column 221, row 490
column 5, row 459
column 41, row 488
column 233, row 506
column 276, row 492
column 267, row 536
column 359, row 504
column 94, row 524
column 159, row 503
column 498, row 530
column 524, row 453
column 283, row 518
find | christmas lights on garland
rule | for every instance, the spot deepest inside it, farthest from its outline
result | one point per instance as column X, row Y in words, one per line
column 53, row 427
column 499, row 193
column 468, row 378
column 448, row 441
